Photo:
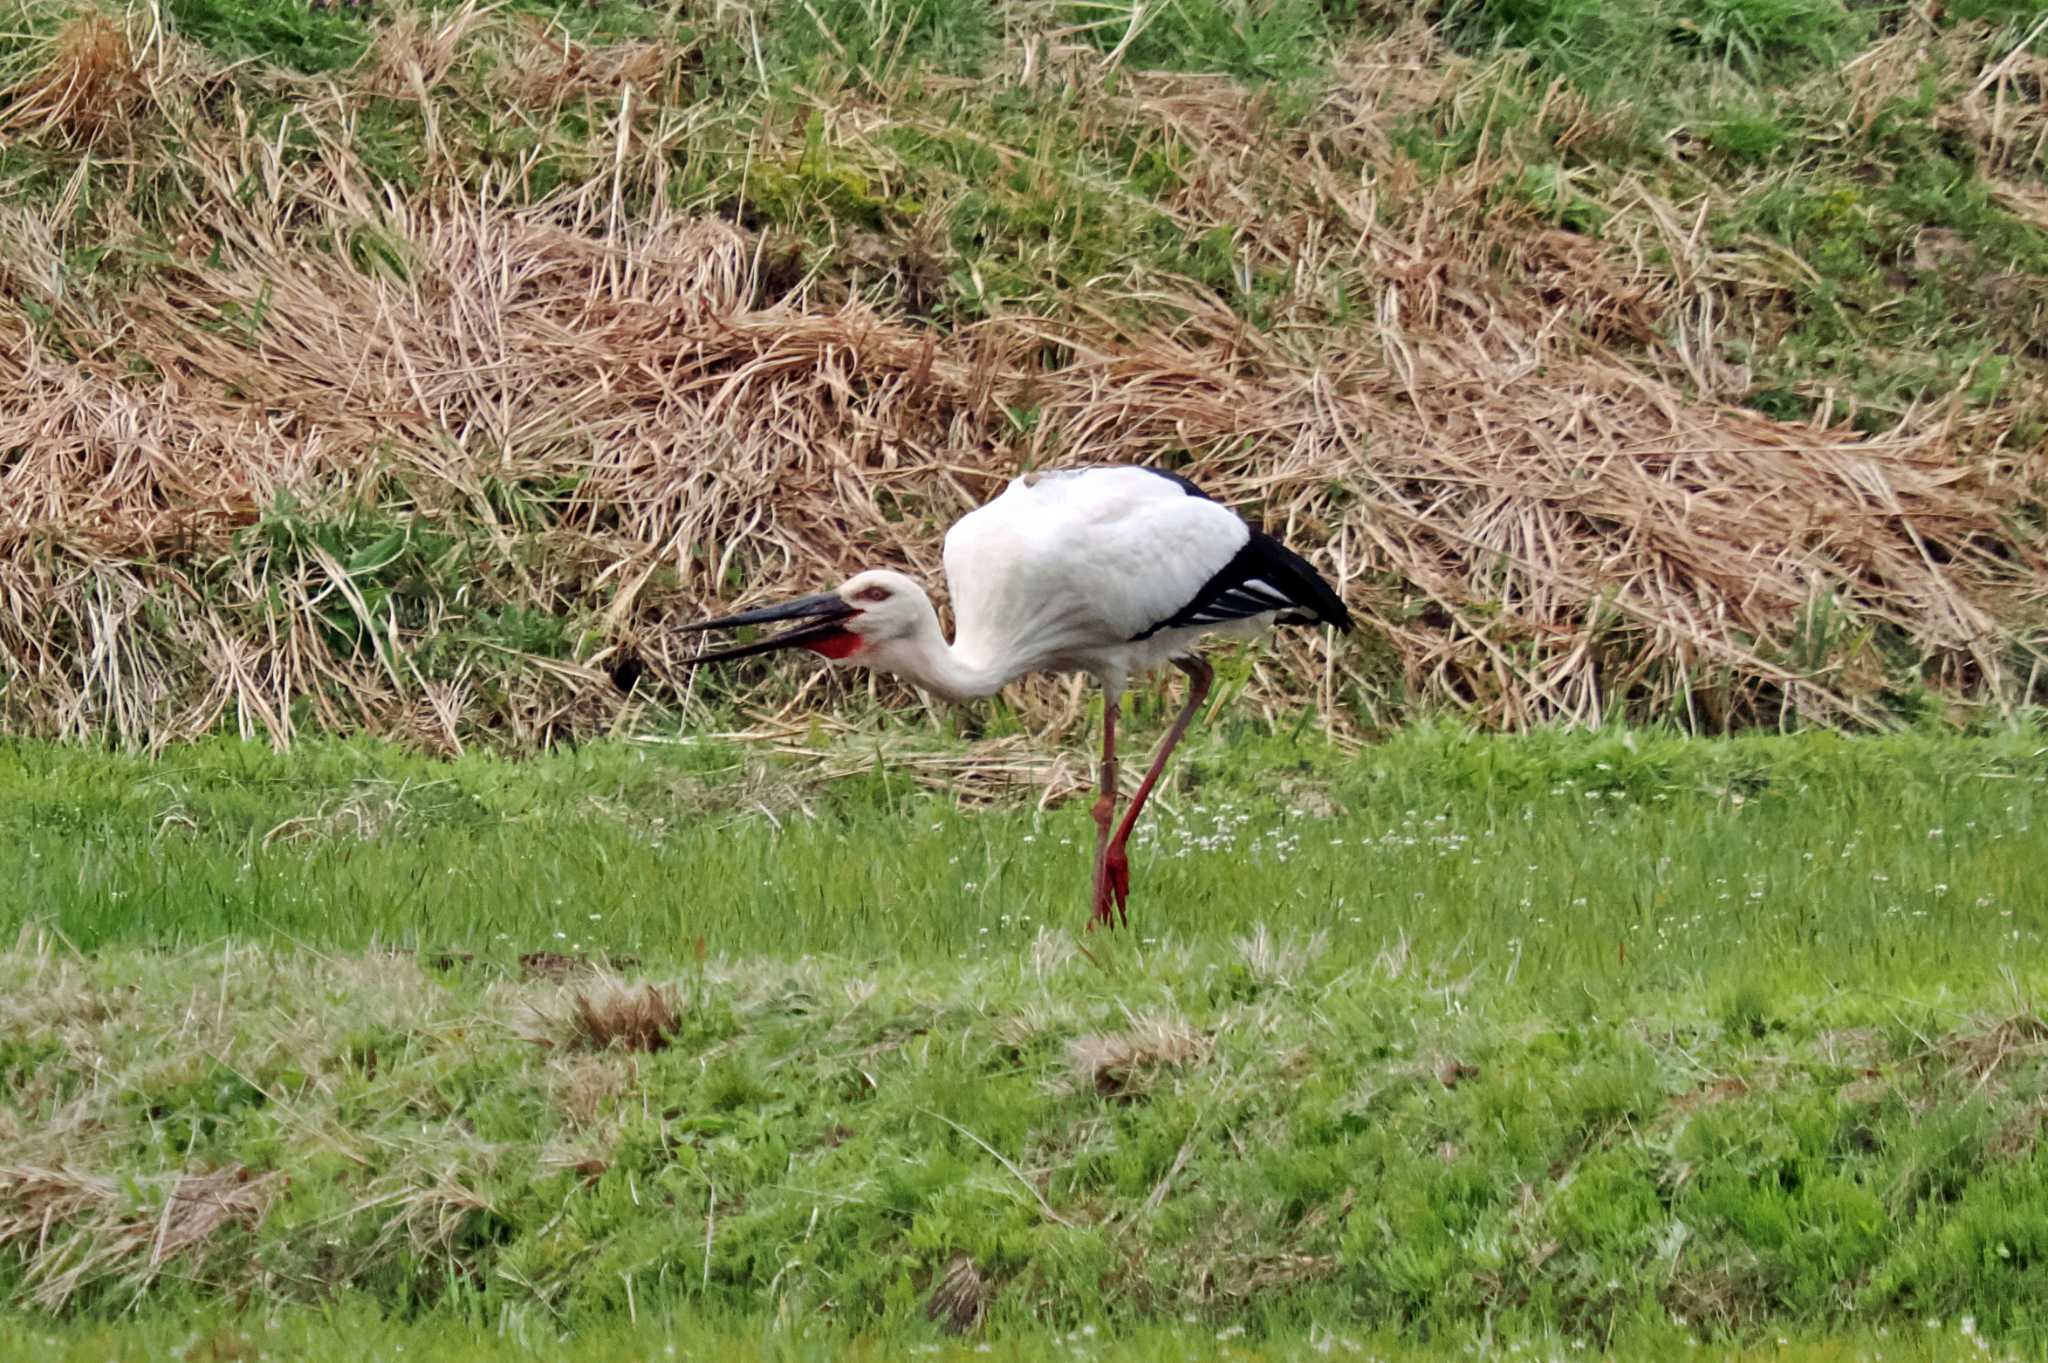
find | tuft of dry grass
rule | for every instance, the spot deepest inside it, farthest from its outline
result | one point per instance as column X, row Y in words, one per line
column 960, row 1297
column 94, row 80
column 417, row 50
column 2002, row 109
column 1980, row 1056
column 124, row 1228
column 1123, row 1066
column 640, row 1019
column 549, row 70
column 587, row 1087
column 1275, row 962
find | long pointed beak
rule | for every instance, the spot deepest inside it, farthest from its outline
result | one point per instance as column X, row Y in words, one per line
column 825, row 611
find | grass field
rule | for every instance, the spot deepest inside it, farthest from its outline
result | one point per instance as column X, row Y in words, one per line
column 1612, row 1041
column 358, row 1337
column 1830, row 855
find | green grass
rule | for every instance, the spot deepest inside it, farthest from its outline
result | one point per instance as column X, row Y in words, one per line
column 1634, row 42
column 357, row 1336
column 1610, row 1041
column 1837, row 858
column 1284, row 40
column 292, row 34
column 1607, row 1039
column 883, row 40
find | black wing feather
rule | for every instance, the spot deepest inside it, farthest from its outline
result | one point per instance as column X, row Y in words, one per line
column 1265, row 575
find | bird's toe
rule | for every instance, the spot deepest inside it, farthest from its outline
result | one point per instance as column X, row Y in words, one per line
column 1116, row 873
column 1117, row 867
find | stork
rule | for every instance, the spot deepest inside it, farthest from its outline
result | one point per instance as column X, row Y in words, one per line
column 1109, row 571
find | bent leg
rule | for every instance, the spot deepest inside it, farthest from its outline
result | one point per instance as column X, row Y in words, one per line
column 1116, row 861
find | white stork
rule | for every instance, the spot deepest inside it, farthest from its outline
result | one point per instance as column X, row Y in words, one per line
column 1107, row 571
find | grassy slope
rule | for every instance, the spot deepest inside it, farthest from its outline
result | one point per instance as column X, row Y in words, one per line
column 1759, row 1052
column 1890, row 256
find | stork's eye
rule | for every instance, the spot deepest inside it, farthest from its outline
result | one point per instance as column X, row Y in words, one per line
column 872, row 594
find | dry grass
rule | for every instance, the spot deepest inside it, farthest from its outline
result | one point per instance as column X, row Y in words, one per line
column 959, row 1298
column 617, row 413
column 587, row 1087
column 2003, row 111
column 96, row 80
column 1123, row 1066
column 1274, row 962
column 622, row 1019
column 127, row 1229
column 1989, row 1053
column 551, row 71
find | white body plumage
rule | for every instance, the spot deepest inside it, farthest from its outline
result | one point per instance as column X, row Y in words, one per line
column 1066, row 572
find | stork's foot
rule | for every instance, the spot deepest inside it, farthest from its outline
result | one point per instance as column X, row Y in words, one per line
column 1112, row 889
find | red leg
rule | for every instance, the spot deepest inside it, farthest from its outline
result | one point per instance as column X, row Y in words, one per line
column 1105, row 807
column 1116, row 865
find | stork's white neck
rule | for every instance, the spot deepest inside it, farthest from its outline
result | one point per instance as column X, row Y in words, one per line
column 918, row 652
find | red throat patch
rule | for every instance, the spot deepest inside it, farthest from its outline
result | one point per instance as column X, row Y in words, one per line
column 841, row 645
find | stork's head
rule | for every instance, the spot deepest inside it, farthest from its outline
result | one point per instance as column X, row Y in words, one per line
column 864, row 621
column 888, row 608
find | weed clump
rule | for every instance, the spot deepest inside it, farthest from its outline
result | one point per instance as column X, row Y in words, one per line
column 640, row 1019
column 1123, row 1066
column 1747, row 1011
column 88, row 90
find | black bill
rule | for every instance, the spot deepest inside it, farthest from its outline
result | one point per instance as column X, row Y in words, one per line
column 824, row 612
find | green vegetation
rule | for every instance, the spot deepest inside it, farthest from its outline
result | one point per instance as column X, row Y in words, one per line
column 1554, row 851
column 1613, row 1039
column 1889, row 260
column 358, row 1337
column 297, row 36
